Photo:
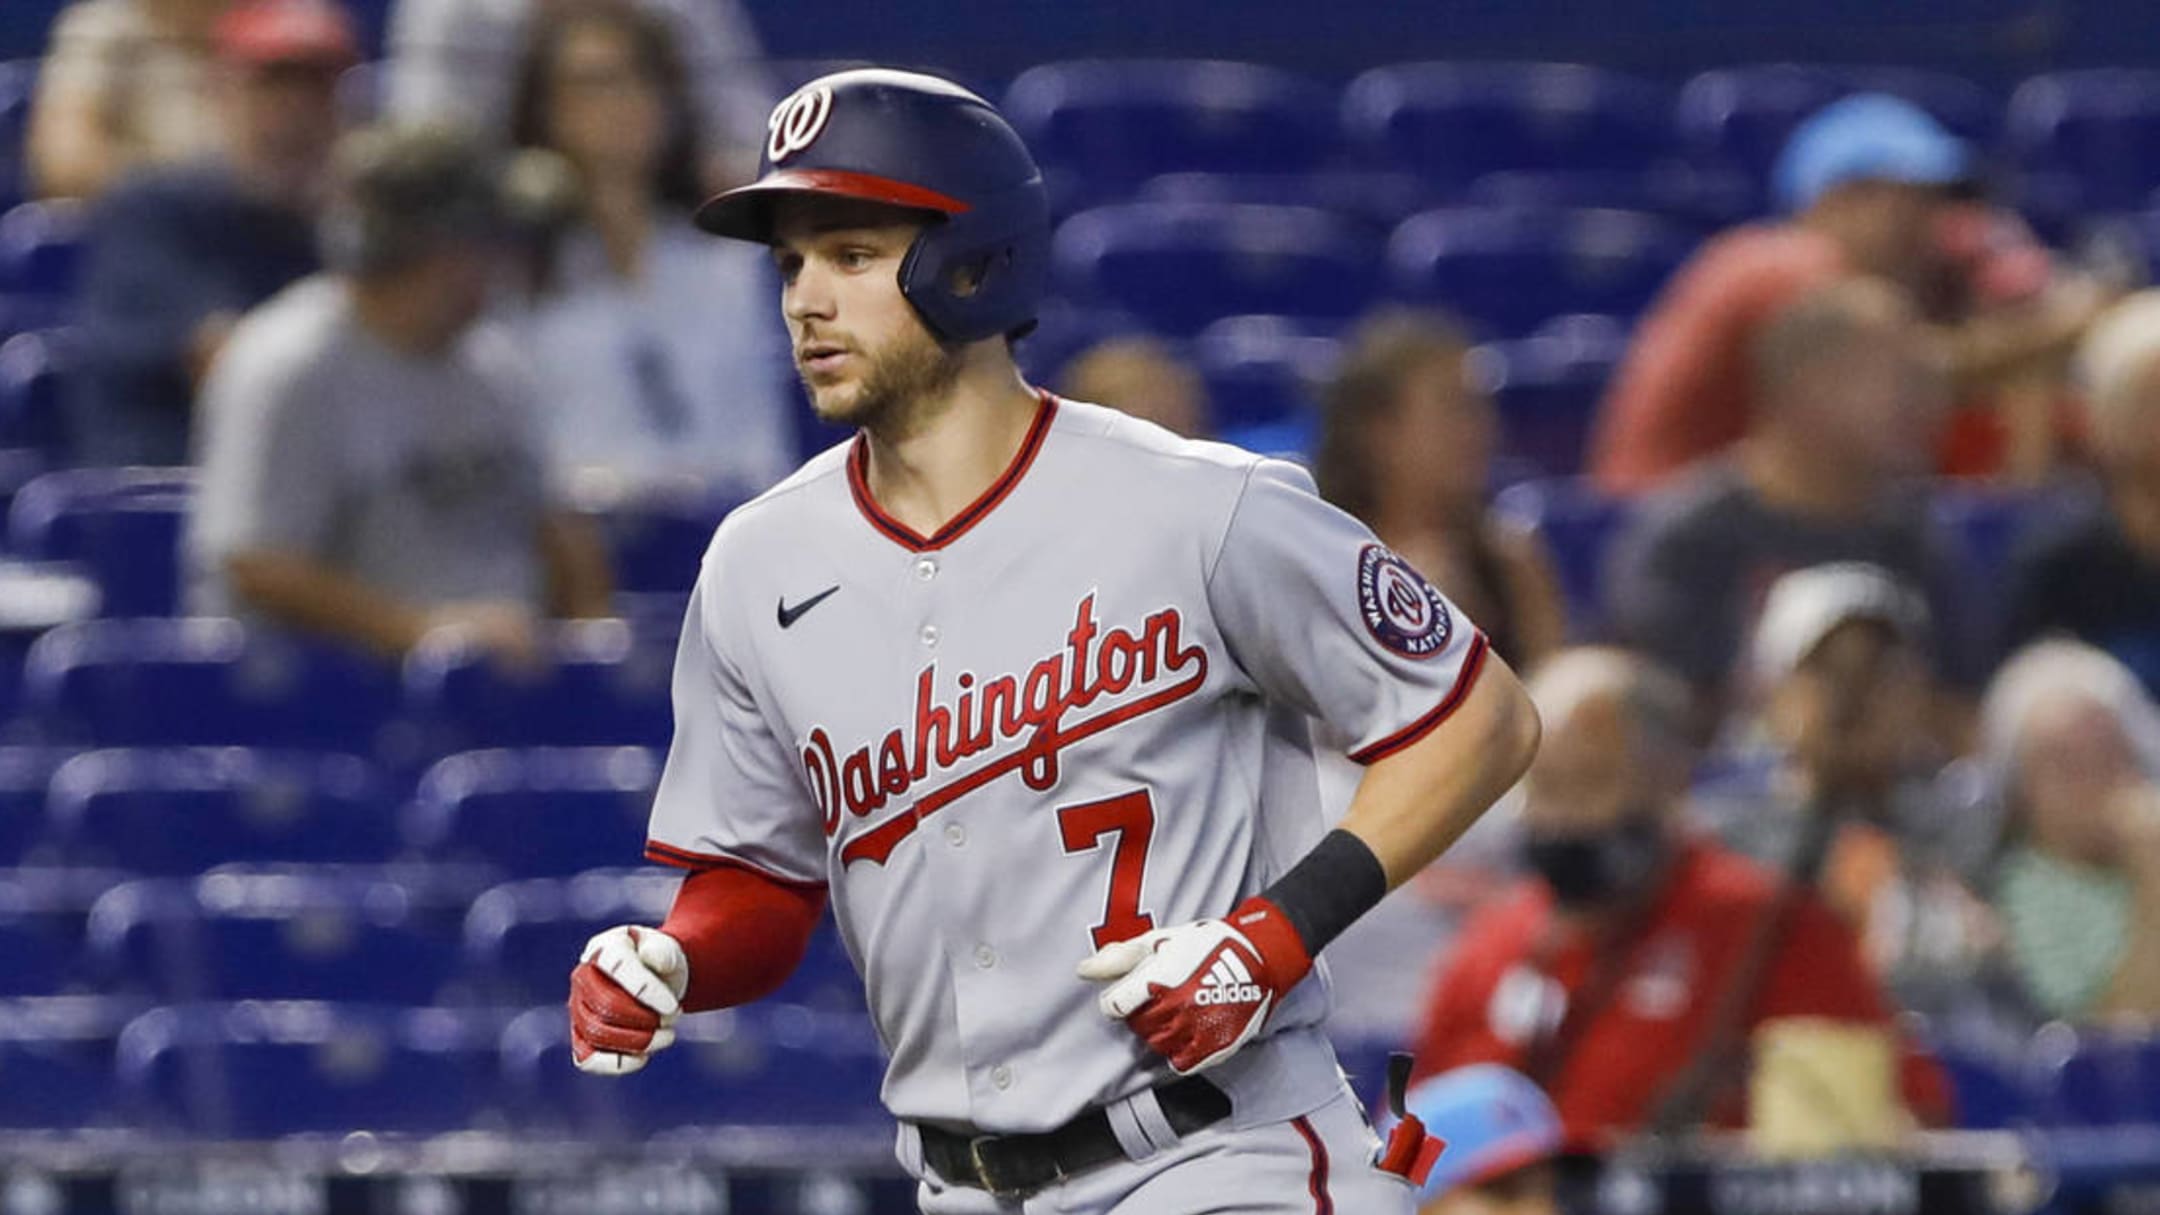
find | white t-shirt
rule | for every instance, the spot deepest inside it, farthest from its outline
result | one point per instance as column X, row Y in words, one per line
column 417, row 476
column 676, row 375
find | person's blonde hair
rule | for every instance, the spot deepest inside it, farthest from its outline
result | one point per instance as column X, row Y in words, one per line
column 2115, row 366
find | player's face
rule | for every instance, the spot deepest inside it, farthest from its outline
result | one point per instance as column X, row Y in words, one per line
column 862, row 352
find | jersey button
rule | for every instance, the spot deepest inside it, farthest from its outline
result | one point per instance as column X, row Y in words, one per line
column 956, row 835
column 926, row 569
column 929, row 634
column 985, row 956
column 1001, row 1076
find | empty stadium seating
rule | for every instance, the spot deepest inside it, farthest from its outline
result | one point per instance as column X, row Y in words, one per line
column 2089, row 134
column 44, row 916
column 1508, row 271
column 122, row 526
column 655, row 543
column 1179, row 266
column 1578, row 525
column 258, row 1070
column 204, row 683
column 1119, row 122
column 1547, row 389
column 534, row 813
column 763, row 1064
column 1457, row 122
column 24, row 774
column 598, row 683
column 183, row 811
column 56, row 1062
column 32, row 366
column 41, row 248
column 298, row 935
column 1261, row 370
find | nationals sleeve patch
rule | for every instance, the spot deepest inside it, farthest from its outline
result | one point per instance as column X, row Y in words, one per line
column 1401, row 610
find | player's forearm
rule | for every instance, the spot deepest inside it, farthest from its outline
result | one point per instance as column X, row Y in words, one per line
column 743, row 933
column 1413, row 805
column 308, row 596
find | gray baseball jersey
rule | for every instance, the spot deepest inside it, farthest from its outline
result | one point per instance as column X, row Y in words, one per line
column 1076, row 712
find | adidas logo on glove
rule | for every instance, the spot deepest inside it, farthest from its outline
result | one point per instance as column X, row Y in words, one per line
column 1228, row 982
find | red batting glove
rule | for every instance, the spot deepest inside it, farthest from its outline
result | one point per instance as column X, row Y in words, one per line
column 625, row 996
column 1198, row 992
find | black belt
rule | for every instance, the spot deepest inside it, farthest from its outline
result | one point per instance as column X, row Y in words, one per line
column 1014, row 1165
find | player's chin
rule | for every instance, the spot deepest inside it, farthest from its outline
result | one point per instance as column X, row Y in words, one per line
column 835, row 401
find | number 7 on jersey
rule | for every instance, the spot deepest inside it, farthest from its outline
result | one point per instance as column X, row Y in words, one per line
column 1131, row 818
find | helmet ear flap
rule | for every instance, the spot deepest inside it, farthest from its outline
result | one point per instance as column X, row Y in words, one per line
column 980, row 274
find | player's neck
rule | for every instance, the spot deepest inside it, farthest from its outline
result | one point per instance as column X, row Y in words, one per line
column 932, row 464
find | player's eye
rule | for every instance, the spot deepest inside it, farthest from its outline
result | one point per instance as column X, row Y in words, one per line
column 856, row 257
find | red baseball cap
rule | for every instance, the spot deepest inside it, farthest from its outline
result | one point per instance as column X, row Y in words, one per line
column 288, row 31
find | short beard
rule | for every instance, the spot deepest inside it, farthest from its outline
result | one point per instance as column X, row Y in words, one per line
column 901, row 379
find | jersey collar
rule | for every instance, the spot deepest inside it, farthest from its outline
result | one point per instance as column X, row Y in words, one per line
column 858, row 466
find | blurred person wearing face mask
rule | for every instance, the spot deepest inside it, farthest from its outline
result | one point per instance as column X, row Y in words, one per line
column 656, row 358
column 1407, row 440
column 1142, row 377
column 1823, row 775
column 369, row 471
column 2095, row 573
column 1874, row 187
column 1851, row 398
column 2074, row 743
column 175, row 254
column 1604, row 977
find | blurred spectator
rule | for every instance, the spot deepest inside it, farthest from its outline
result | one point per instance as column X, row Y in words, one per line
column 1629, row 976
column 657, row 352
column 1850, row 399
column 124, row 83
column 368, row 467
column 2073, row 741
column 2096, row 576
column 175, row 255
column 1501, row 1134
column 1871, row 184
column 1407, row 440
column 1825, row 778
column 457, row 60
column 1144, row 378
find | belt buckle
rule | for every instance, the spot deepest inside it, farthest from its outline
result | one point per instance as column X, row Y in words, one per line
column 983, row 1172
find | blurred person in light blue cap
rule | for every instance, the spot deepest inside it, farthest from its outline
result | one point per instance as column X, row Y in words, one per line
column 1867, row 137
column 1501, row 1134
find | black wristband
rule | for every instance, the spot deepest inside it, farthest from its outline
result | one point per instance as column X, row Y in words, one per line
column 1337, row 882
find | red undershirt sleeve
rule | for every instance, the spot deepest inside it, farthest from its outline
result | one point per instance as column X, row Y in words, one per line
column 744, row 933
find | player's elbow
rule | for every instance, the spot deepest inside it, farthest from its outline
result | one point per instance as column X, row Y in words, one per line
column 1513, row 727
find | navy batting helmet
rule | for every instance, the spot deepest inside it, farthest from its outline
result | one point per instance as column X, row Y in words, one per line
column 926, row 144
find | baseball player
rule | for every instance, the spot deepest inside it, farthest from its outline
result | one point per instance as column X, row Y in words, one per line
column 1023, row 686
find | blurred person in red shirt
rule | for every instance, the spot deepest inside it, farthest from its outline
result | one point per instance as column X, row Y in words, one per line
column 1634, row 965
column 1874, row 186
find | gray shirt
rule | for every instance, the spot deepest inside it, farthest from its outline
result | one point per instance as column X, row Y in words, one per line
column 1688, row 580
column 417, row 476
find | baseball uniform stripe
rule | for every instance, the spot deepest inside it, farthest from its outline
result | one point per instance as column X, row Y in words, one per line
column 900, row 533
column 683, row 858
column 1473, row 662
column 1317, row 1182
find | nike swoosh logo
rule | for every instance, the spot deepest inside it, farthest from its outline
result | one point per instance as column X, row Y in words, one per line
column 789, row 615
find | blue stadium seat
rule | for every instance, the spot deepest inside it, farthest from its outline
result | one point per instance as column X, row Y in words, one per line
column 536, row 813
column 41, row 248
column 1121, row 122
column 1990, row 1091
column 521, row 938
column 599, row 684
column 32, row 414
column 56, row 1054
column 1456, row 122
column 1380, row 199
column 2094, row 1077
column 234, row 936
column 260, row 1070
column 1064, row 331
column 1547, row 388
column 44, row 914
column 1578, row 525
column 1990, row 522
column 656, row 542
column 2093, row 135
column 1506, row 271
column 1705, row 198
column 18, row 83
column 121, row 525
column 1739, row 117
column 24, row 774
column 185, row 811
column 1263, row 370
column 1179, row 266
column 205, row 682
column 764, row 1064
